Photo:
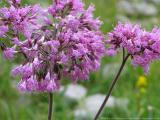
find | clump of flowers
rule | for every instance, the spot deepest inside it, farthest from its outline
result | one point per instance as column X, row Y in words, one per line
column 17, row 22
column 141, row 45
column 66, row 43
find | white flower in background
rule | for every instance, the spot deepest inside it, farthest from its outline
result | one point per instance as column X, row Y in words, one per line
column 145, row 8
column 156, row 1
column 75, row 92
column 126, row 6
column 122, row 18
column 93, row 103
column 122, row 103
column 81, row 114
column 132, row 7
column 111, row 102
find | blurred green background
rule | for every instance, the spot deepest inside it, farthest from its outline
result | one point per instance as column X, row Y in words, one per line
column 140, row 91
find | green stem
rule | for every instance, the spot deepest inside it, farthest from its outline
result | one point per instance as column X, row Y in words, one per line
column 112, row 86
column 50, row 105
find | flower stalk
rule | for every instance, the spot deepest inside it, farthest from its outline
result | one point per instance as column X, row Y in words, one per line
column 112, row 85
column 50, row 106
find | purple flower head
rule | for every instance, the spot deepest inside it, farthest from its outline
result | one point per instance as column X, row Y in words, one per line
column 61, row 8
column 16, row 70
column 68, row 45
column 15, row 3
column 143, row 46
column 3, row 30
column 8, row 53
column 19, row 19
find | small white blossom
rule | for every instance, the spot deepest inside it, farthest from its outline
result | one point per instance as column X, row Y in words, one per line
column 81, row 114
column 156, row 1
column 93, row 103
column 75, row 92
column 145, row 8
column 122, row 103
column 126, row 6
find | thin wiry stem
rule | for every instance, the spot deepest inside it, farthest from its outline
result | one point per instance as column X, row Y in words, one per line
column 50, row 105
column 111, row 87
column 124, row 54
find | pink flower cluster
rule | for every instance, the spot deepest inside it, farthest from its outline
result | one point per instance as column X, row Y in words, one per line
column 66, row 7
column 67, row 43
column 17, row 23
column 143, row 46
column 19, row 20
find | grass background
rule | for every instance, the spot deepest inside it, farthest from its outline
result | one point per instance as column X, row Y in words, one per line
column 17, row 106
